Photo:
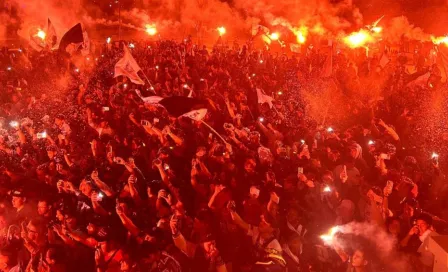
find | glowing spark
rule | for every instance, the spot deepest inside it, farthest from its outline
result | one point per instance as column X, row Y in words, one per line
column 274, row 36
column 151, row 30
column 330, row 129
column 9, row 68
column 41, row 34
column 221, row 30
column 302, row 141
column 77, row 70
column 327, row 189
column 371, row 142
column 108, row 39
column 434, row 155
column 131, row 45
column 280, row 93
column 261, row 61
column 358, row 39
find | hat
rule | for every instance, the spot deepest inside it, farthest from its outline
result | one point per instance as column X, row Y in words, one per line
column 17, row 193
column 425, row 217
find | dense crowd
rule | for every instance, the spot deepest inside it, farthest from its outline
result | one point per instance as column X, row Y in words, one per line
column 93, row 178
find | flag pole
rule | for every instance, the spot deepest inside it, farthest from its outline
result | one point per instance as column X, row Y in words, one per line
column 212, row 129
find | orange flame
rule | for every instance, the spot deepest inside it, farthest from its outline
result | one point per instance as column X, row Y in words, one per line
column 301, row 34
column 440, row 40
column 41, row 34
column 221, row 30
column 377, row 29
column 358, row 39
column 274, row 36
column 151, row 30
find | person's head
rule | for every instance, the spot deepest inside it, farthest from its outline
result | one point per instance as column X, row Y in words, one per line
column 293, row 216
column 59, row 120
column 35, row 230
column 423, row 223
column 249, row 165
column 59, row 215
column 393, row 226
column 3, row 221
column 18, row 199
column 8, row 258
column 43, row 208
column 70, row 220
column 355, row 151
column 54, row 256
column 51, row 152
column 359, row 259
column 125, row 204
column 86, row 188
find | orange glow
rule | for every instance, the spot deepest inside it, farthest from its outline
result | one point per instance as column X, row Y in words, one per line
column 440, row 40
column 318, row 29
column 377, row 29
column 301, row 34
column 328, row 238
column 221, row 30
column 357, row 39
column 151, row 30
column 41, row 34
column 274, row 36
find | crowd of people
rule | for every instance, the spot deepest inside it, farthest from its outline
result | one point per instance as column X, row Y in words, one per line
column 93, row 178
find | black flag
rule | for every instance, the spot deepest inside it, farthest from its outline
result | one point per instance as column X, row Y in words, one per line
column 185, row 106
column 73, row 36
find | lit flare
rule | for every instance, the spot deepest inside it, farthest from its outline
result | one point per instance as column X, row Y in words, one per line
column 221, row 30
column 41, row 34
column 440, row 40
column 358, row 39
column 301, row 34
column 329, row 237
column 151, row 30
column 274, row 36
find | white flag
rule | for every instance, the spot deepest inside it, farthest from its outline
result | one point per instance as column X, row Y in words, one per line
column 295, row 48
column 327, row 70
column 86, row 44
column 384, row 61
column 127, row 66
column 262, row 98
column 197, row 115
column 51, row 38
column 259, row 29
column 149, row 99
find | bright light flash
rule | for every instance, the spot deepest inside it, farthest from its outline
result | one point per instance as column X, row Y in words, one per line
column 41, row 34
column 221, row 30
column 274, row 36
column 328, row 238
